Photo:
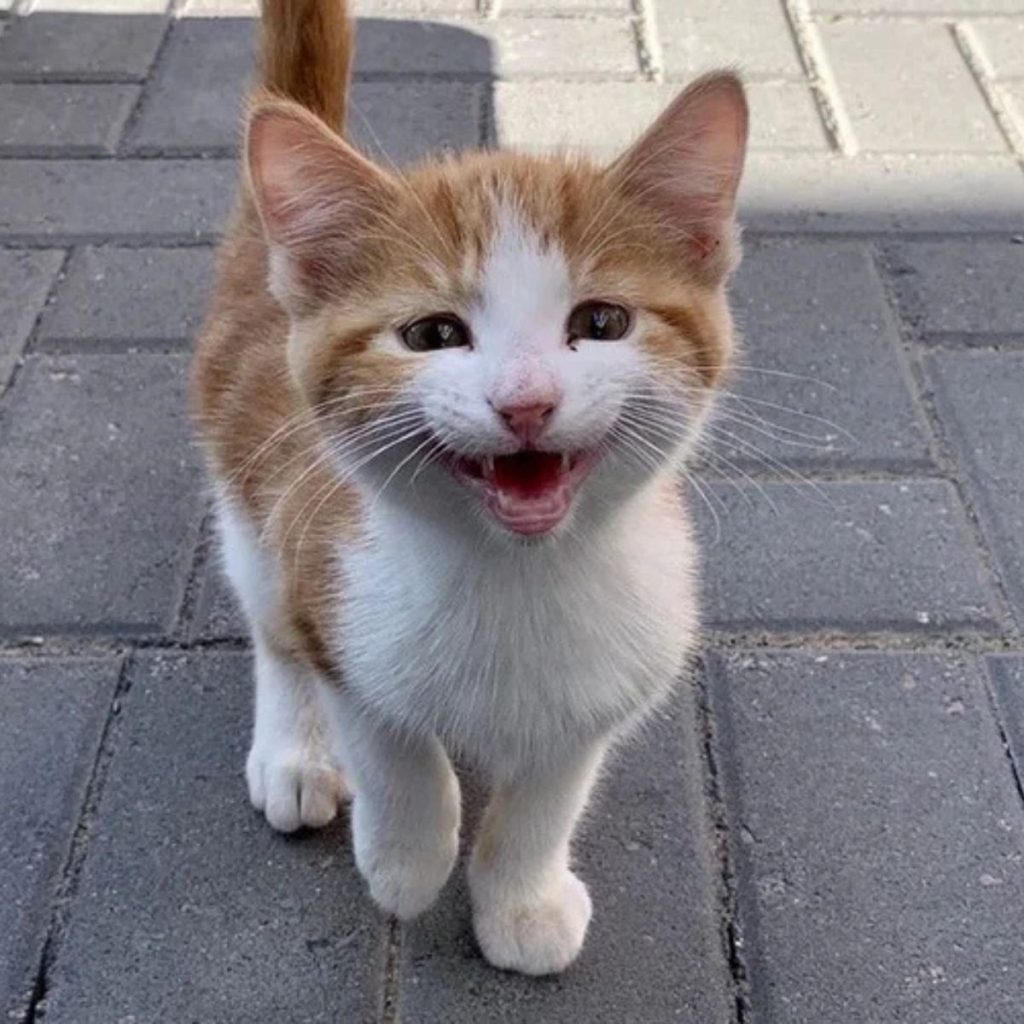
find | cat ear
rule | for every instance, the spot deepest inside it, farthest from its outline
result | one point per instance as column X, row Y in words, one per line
column 686, row 168
column 314, row 194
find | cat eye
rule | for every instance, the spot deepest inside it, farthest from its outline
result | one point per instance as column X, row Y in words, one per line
column 598, row 321
column 435, row 332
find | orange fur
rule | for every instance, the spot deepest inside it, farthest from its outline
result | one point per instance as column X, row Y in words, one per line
column 403, row 245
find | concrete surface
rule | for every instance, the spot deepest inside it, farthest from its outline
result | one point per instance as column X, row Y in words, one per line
column 827, row 825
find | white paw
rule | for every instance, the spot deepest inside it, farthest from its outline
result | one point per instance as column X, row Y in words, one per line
column 537, row 934
column 405, row 874
column 295, row 790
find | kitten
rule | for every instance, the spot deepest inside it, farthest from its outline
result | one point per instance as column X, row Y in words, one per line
column 444, row 411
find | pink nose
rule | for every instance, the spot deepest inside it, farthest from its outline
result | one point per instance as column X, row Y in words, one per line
column 526, row 421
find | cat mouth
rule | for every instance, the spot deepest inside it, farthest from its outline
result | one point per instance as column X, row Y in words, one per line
column 529, row 492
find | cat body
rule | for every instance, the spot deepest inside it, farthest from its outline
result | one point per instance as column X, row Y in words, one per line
column 444, row 413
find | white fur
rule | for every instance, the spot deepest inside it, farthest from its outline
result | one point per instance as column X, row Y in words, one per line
column 528, row 658
column 291, row 771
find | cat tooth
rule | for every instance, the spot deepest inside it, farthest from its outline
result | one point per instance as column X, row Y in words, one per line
column 565, row 462
column 488, row 464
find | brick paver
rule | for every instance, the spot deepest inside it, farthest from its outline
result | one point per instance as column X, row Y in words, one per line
column 52, row 715
column 128, row 298
column 27, row 278
column 878, row 837
column 99, row 494
column 185, row 882
column 828, row 823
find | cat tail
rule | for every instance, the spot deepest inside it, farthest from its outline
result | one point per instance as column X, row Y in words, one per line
column 307, row 55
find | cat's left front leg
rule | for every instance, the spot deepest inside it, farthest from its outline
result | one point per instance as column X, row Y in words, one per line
column 530, row 911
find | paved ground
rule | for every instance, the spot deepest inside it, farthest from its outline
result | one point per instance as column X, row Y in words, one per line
column 829, row 827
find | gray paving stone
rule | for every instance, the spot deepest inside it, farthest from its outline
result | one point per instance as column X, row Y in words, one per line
column 653, row 953
column 850, row 556
column 605, row 117
column 129, row 298
column 26, row 277
column 98, row 499
column 189, row 907
column 961, row 287
column 196, row 99
column 403, row 121
column 562, row 7
column 52, row 713
column 978, row 396
column 885, row 194
column 820, row 379
column 1007, row 674
column 1012, row 95
column 922, row 7
column 1001, row 42
column 878, row 836
column 37, row 119
column 532, row 47
column 218, row 615
column 704, row 34
column 869, row 59
column 99, row 200
column 80, row 45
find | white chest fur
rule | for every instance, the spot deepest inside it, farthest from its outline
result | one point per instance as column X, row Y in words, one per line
column 507, row 652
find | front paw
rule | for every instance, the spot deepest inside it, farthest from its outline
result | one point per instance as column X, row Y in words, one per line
column 294, row 790
column 538, row 933
column 405, row 873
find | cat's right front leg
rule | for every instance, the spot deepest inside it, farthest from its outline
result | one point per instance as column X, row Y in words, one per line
column 405, row 812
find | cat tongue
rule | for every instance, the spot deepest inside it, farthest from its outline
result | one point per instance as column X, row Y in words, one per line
column 528, row 474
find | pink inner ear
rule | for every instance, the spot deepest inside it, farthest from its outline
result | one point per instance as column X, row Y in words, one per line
column 309, row 185
column 687, row 166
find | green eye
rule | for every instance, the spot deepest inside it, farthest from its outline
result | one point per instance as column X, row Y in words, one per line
column 598, row 321
column 436, row 332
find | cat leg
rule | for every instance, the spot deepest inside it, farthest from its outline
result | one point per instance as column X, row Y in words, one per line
column 405, row 814
column 530, row 912
column 291, row 772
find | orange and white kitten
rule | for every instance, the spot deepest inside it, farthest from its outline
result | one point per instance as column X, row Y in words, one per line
column 444, row 411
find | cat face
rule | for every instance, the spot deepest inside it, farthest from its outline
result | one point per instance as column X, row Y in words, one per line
column 501, row 340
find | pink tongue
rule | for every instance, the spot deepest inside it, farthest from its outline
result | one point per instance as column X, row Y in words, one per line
column 528, row 474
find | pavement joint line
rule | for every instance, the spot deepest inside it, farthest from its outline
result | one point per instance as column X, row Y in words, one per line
column 128, row 128
column 1004, row 736
column 30, row 339
column 191, row 579
column 716, row 814
column 388, row 1011
column 965, row 342
column 833, row 636
column 70, row 874
column 933, row 14
column 814, row 58
column 940, row 443
column 648, row 44
column 71, row 78
column 984, row 78
column 979, row 642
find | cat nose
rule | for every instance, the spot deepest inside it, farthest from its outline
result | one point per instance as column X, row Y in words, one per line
column 527, row 420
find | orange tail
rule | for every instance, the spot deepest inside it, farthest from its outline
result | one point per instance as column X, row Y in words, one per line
column 307, row 55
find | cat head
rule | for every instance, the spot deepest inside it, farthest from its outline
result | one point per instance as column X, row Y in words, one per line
column 522, row 342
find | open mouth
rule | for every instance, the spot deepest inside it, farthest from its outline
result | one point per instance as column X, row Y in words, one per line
column 528, row 492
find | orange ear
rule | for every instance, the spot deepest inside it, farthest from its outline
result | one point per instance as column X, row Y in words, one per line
column 313, row 191
column 686, row 167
